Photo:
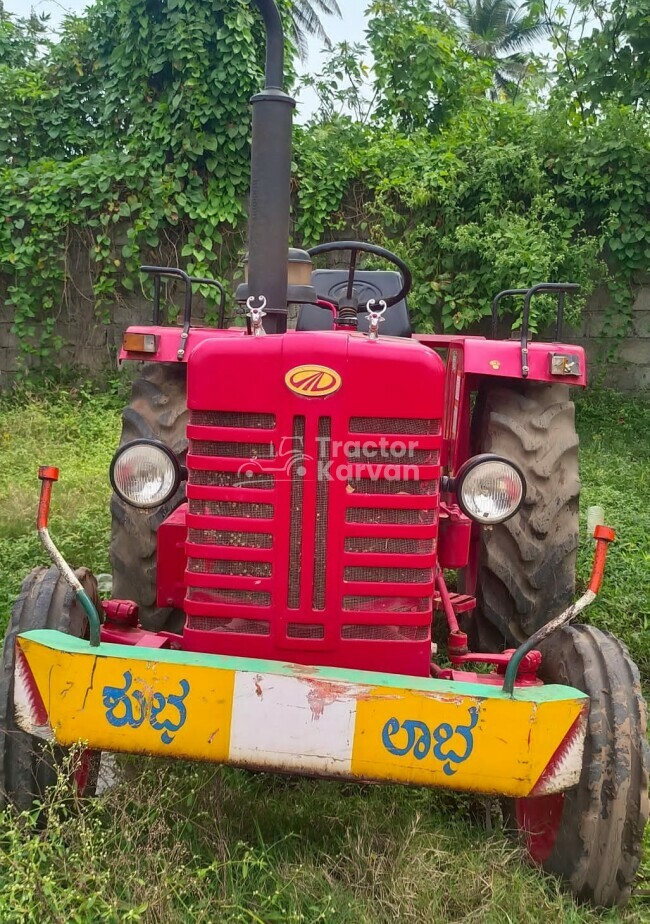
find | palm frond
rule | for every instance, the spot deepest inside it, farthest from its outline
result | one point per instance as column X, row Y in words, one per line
column 501, row 31
column 306, row 17
column 495, row 26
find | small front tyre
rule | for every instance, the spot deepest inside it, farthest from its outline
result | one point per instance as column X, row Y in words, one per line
column 157, row 410
column 28, row 765
column 591, row 836
column 526, row 566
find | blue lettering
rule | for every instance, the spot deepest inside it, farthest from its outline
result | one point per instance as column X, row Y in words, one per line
column 438, row 741
column 125, row 706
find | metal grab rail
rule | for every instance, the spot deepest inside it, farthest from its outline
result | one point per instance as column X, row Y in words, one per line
column 546, row 288
column 175, row 272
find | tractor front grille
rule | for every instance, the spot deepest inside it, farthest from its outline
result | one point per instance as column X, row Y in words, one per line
column 312, row 530
column 322, row 516
column 230, row 519
column 297, row 476
column 390, row 527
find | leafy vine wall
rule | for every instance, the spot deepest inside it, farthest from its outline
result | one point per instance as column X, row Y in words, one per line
column 127, row 142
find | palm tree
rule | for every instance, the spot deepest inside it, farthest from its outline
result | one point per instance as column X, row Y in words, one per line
column 306, row 20
column 500, row 31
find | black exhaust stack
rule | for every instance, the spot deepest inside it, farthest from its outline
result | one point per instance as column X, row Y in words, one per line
column 268, row 223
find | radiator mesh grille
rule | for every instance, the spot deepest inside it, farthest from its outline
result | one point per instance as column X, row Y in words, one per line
column 385, row 516
column 390, row 486
column 399, row 425
column 322, row 511
column 231, row 450
column 401, row 454
column 221, row 595
column 305, row 630
column 387, row 604
column 296, row 520
column 389, row 575
column 389, row 546
column 386, row 633
column 228, row 538
column 241, row 479
column 230, row 509
column 221, row 624
column 220, row 566
column 236, row 419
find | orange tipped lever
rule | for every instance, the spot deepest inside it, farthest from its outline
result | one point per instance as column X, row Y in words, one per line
column 48, row 475
column 603, row 536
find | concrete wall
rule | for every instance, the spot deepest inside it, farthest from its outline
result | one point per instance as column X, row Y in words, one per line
column 623, row 364
column 91, row 344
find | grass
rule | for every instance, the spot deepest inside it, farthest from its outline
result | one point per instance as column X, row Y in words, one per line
column 189, row 843
column 615, row 471
column 77, row 430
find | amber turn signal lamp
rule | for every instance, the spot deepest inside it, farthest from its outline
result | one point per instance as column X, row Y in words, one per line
column 139, row 343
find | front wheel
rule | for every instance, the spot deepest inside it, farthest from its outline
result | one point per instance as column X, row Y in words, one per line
column 158, row 410
column 526, row 566
column 591, row 836
column 29, row 766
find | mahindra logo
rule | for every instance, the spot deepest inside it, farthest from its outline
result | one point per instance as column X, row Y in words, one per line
column 313, row 381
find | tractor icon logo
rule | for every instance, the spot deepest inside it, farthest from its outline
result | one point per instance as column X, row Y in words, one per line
column 291, row 461
column 313, row 381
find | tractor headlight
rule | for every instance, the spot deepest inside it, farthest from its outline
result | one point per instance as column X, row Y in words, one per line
column 489, row 489
column 145, row 473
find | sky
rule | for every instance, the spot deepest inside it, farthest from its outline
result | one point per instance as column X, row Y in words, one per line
column 349, row 28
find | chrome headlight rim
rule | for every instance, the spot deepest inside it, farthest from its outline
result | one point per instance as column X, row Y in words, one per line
column 178, row 471
column 468, row 467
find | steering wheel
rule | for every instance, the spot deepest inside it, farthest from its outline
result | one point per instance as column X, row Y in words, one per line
column 355, row 247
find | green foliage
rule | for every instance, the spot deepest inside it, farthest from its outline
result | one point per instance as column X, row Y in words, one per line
column 329, row 159
column 475, row 209
column 600, row 169
column 615, row 471
column 603, row 51
column 77, row 428
column 305, row 20
column 340, row 85
column 422, row 72
column 173, row 843
column 479, row 196
column 501, row 32
column 126, row 139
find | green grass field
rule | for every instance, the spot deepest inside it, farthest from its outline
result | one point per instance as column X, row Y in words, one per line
column 188, row 843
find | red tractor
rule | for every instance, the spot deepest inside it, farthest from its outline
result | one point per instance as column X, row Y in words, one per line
column 290, row 510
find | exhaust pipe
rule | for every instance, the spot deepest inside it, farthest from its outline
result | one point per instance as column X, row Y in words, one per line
column 270, row 187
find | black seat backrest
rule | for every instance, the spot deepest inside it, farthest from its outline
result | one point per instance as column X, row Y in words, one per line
column 332, row 284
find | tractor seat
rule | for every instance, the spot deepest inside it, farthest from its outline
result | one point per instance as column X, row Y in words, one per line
column 332, row 284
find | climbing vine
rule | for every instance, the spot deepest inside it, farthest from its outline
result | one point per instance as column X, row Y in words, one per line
column 127, row 141
column 478, row 195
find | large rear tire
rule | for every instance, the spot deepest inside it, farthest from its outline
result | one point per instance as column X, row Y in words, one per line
column 591, row 836
column 28, row 765
column 526, row 566
column 158, row 410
